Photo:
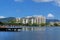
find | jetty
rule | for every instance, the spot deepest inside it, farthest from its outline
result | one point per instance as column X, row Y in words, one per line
column 10, row 29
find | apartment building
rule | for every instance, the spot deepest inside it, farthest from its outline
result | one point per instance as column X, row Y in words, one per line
column 34, row 19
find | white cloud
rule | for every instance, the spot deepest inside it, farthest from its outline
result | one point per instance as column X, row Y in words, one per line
column 18, row 0
column 42, row 0
column 50, row 15
column 2, row 17
column 57, row 2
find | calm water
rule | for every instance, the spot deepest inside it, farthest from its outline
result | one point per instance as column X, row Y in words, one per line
column 37, row 33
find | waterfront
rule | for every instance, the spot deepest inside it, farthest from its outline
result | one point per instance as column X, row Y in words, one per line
column 49, row 33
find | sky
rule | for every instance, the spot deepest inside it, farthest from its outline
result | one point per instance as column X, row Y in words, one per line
column 22, row 8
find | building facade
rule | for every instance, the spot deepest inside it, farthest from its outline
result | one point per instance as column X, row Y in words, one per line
column 32, row 20
column 18, row 20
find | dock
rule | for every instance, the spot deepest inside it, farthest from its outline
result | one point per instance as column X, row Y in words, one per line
column 10, row 29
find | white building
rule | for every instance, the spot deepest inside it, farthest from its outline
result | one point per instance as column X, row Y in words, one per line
column 34, row 19
column 18, row 20
column 41, row 19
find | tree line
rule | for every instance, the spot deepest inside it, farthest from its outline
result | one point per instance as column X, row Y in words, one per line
column 13, row 22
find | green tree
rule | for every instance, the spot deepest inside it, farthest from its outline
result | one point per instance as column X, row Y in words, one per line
column 1, row 23
column 55, row 24
column 12, row 22
column 43, row 24
column 34, row 24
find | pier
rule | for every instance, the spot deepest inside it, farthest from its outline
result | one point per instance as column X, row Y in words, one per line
column 20, row 28
column 11, row 29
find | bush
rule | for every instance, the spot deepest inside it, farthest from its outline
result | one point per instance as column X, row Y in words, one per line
column 34, row 24
column 42, row 24
column 55, row 24
column 1, row 23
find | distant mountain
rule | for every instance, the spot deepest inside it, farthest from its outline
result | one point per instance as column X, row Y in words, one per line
column 52, row 20
column 7, row 19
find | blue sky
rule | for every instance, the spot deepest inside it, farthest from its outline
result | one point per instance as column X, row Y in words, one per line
column 21, row 8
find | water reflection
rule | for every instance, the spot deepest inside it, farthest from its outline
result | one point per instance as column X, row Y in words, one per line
column 33, row 33
column 25, row 28
column 33, row 29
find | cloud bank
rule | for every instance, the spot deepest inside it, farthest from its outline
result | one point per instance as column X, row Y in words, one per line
column 42, row 0
column 57, row 2
column 2, row 17
column 18, row 0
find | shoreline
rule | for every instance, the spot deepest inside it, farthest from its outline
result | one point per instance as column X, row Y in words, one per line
column 6, row 26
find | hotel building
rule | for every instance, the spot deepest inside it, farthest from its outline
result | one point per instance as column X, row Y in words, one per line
column 18, row 20
column 34, row 19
